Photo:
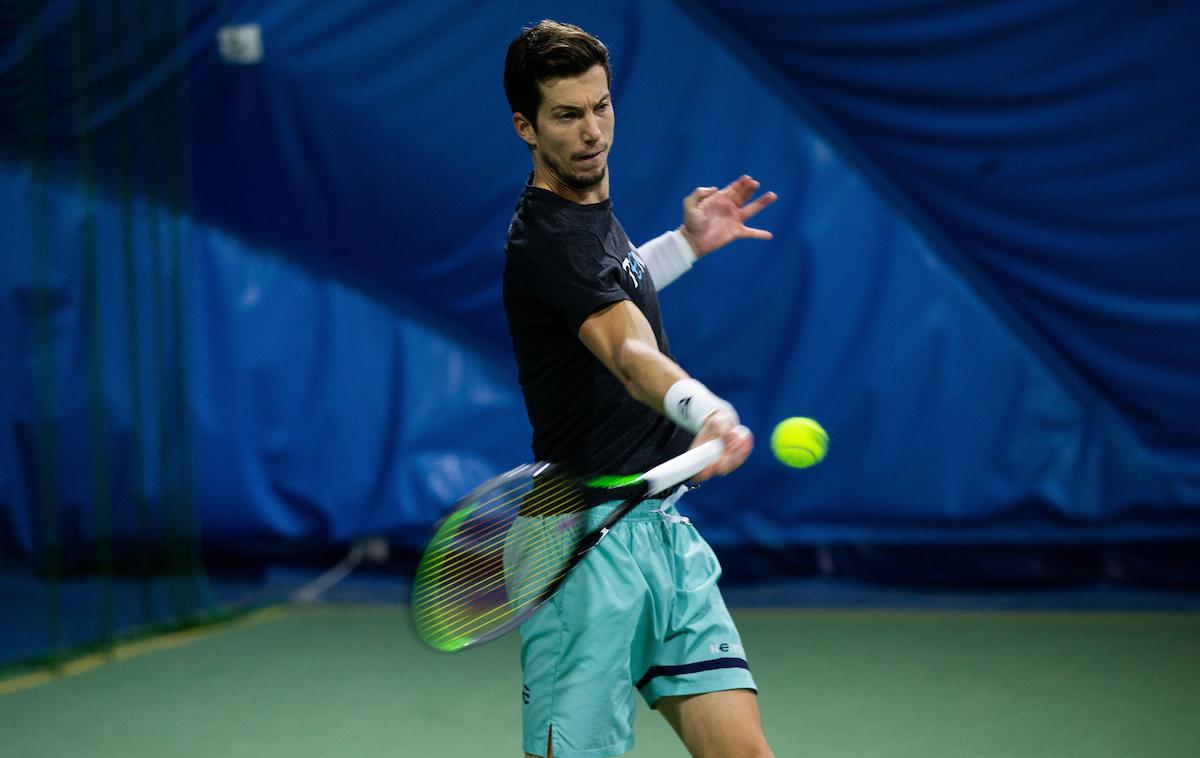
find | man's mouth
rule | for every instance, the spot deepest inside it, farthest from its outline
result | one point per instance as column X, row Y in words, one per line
column 589, row 156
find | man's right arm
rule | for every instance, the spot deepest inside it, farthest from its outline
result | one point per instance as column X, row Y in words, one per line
column 621, row 338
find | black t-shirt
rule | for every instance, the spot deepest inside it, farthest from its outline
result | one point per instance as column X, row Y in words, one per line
column 565, row 261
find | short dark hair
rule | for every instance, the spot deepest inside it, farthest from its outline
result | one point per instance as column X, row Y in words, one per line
column 548, row 50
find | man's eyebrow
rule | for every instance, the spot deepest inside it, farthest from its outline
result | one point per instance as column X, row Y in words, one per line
column 567, row 108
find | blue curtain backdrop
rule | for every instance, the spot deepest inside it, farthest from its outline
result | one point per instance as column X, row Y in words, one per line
column 984, row 280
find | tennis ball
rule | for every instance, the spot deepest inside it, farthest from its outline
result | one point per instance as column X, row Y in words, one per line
column 799, row 442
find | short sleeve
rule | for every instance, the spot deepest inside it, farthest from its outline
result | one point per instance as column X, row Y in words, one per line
column 570, row 274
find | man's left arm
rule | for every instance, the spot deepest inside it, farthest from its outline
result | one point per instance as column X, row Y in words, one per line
column 712, row 218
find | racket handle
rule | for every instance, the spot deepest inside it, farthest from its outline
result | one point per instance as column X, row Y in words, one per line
column 682, row 467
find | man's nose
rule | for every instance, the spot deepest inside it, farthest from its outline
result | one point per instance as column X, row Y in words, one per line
column 591, row 128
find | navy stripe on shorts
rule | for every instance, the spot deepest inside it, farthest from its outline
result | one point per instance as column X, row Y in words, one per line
column 692, row 668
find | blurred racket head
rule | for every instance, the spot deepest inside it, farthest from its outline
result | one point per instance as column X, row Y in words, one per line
column 497, row 555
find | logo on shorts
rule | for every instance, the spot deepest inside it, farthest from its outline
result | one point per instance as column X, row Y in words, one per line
column 727, row 647
column 525, row 694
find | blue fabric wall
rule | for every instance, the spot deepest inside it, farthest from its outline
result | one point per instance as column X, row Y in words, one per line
column 983, row 281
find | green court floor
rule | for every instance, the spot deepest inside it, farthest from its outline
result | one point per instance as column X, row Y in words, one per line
column 352, row 680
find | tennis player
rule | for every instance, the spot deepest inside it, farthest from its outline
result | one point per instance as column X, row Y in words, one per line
column 642, row 611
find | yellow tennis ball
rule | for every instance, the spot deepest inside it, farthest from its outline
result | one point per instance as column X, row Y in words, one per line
column 799, row 442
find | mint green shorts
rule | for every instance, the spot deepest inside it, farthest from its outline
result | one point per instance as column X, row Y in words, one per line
column 641, row 611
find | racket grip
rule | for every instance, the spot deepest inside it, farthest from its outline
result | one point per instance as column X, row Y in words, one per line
column 682, row 467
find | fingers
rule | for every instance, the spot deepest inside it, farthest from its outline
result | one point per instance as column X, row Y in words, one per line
column 753, row 209
column 739, row 443
column 716, row 217
column 730, row 460
column 716, row 425
column 750, row 210
column 697, row 195
column 749, row 232
column 741, row 189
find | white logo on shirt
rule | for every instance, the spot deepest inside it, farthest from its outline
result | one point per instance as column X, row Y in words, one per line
column 633, row 266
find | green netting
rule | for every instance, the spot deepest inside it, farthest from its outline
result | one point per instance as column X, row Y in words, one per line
column 87, row 582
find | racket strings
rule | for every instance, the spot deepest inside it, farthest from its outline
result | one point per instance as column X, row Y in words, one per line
column 464, row 615
column 464, row 591
column 466, row 622
column 497, row 616
column 447, row 591
column 486, row 542
column 457, row 580
column 501, row 504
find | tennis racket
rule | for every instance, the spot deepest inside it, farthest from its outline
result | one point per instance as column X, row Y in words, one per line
column 505, row 548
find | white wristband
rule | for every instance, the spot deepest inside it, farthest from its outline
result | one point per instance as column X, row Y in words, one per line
column 688, row 403
column 667, row 257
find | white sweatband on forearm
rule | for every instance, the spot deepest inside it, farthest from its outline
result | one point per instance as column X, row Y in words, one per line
column 688, row 403
column 667, row 256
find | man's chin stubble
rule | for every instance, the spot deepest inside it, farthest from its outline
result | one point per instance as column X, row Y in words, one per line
column 575, row 181
column 579, row 183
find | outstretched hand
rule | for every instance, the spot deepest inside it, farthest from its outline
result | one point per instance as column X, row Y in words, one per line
column 713, row 218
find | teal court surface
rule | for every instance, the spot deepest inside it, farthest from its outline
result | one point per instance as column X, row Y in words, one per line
column 351, row 679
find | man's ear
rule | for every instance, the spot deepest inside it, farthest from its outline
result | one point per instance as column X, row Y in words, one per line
column 525, row 129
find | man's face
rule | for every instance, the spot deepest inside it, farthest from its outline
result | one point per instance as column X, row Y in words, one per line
column 574, row 132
